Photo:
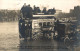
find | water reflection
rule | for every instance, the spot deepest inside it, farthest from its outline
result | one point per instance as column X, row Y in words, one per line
column 42, row 45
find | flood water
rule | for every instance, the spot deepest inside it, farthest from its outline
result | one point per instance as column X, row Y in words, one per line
column 9, row 36
column 9, row 41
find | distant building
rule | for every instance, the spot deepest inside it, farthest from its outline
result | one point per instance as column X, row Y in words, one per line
column 75, row 12
column 71, row 10
column 57, row 12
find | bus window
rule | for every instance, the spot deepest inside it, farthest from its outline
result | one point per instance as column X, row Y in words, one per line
column 48, row 23
column 44, row 24
column 40, row 24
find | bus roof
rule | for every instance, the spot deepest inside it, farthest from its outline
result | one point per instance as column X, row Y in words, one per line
column 43, row 17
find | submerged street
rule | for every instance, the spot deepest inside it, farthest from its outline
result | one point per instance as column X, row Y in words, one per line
column 9, row 41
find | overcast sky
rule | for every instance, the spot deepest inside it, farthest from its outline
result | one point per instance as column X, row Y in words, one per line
column 64, row 5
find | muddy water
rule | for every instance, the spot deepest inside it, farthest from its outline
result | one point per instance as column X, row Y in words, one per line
column 9, row 40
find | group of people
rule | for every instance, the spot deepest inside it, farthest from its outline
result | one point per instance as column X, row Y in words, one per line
column 27, row 11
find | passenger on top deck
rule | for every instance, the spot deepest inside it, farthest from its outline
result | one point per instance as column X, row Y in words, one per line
column 26, row 11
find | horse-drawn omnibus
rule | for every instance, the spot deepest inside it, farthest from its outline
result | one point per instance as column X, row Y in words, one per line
column 36, row 26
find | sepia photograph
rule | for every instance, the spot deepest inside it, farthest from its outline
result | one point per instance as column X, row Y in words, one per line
column 39, row 25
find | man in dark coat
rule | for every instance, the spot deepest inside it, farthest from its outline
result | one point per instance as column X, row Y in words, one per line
column 26, row 11
column 23, row 10
column 29, row 11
